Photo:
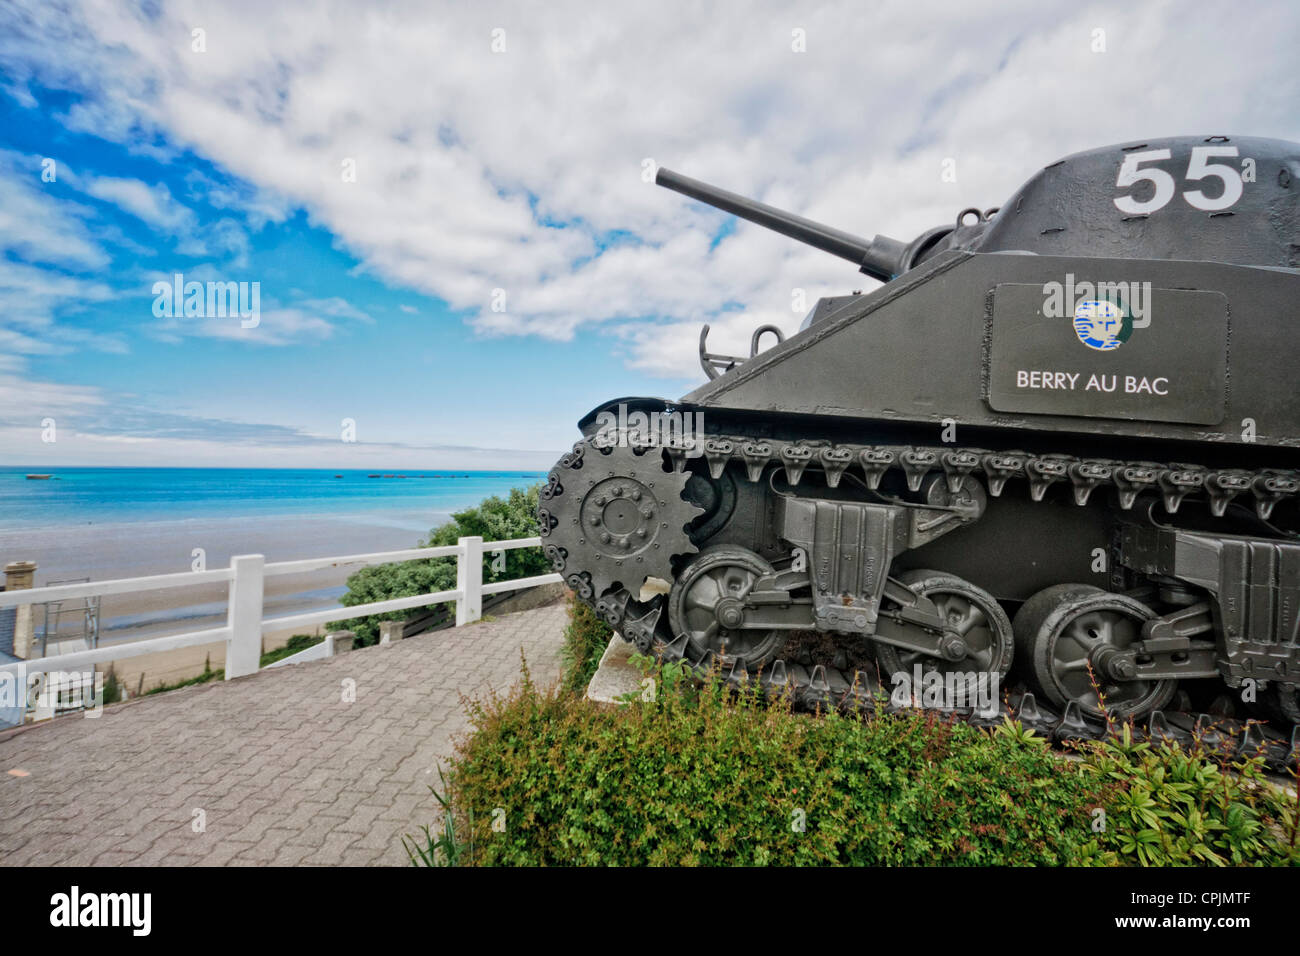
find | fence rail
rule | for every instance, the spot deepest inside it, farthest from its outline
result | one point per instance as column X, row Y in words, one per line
column 246, row 623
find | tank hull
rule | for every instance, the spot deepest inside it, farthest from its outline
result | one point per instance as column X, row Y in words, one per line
column 946, row 343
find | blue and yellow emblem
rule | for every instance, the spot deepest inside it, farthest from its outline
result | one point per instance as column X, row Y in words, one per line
column 1102, row 325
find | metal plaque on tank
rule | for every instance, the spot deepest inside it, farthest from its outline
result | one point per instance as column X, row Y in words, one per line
column 1109, row 349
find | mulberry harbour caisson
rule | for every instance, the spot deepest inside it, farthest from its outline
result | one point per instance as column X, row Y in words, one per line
column 1096, row 503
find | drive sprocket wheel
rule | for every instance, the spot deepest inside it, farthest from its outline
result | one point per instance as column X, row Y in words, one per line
column 620, row 517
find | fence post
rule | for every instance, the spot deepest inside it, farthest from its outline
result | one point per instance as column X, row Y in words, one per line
column 19, row 576
column 244, row 646
column 469, row 580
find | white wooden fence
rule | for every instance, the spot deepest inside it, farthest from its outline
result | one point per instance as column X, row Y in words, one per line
column 245, row 622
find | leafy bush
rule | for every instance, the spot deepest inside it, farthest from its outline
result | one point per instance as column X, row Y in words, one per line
column 698, row 778
column 493, row 519
column 1179, row 808
column 710, row 782
column 585, row 638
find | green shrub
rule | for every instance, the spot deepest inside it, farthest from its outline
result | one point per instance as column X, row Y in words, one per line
column 585, row 638
column 699, row 778
column 445, row 849
column 493, row 519
column 206, row 676
column 710, row 782
column 1178, row 808
column 112, row 687
column 299, row 642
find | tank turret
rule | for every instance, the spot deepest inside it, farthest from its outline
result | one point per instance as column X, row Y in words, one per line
column 1212, row 198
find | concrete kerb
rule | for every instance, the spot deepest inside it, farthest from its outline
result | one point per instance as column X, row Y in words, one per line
column 616, row 675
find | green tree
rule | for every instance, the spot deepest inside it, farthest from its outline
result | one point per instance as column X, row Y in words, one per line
column 493, row 519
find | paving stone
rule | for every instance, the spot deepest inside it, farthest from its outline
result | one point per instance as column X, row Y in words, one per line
column 286, row 772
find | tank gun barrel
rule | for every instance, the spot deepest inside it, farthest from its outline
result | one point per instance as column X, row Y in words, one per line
column 881, row 258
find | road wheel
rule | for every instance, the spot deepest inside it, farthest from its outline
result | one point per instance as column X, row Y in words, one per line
column 1058, row 634
column 974, row 614
column 707, row 604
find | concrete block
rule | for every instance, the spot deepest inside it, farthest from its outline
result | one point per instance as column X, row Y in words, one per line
column 616, row 675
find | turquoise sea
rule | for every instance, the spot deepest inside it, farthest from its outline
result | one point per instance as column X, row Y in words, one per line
column 81, row 496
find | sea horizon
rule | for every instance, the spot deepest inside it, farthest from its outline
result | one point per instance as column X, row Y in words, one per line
column 82, row 495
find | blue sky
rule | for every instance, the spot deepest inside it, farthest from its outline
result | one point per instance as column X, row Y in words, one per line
column 499, row 149
column 406, row 367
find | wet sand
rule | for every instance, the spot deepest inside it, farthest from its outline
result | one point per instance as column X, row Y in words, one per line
column 107, row 551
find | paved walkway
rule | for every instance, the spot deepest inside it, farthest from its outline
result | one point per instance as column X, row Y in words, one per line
column 283, row 768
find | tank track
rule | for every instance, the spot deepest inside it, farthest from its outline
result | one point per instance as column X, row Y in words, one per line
column 821, row 687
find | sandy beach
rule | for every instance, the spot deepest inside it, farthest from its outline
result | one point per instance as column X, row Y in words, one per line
column 133, row 549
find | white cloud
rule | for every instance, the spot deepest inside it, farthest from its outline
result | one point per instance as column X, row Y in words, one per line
column 257, row 205
column 24, row 402
column 285, row 326
column 154, row 205
column 304, row 321
column 35, row 224
column 29, row 295
column 91, row 428
column 337, row 308
column 21, row 445
column 467, row 161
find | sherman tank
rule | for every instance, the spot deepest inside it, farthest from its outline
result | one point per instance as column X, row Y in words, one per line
column 1057, row 449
